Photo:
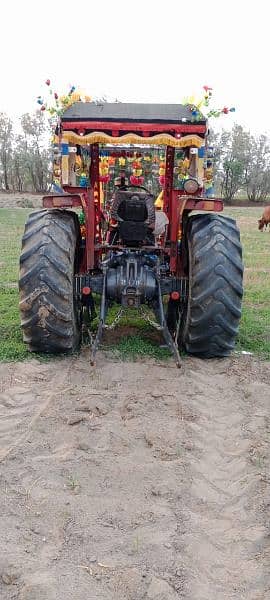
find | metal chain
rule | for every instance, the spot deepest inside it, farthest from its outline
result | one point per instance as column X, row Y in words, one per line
column 116, row 320
column 146, row 318
column 86, row 332
column 179, row 323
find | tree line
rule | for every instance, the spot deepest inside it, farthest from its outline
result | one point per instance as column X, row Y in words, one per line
column 25, row 157
column 241, row 161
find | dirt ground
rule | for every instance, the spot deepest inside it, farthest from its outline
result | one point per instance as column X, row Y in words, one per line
column 132, row 481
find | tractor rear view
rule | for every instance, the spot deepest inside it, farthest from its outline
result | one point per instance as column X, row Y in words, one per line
column 92, row 240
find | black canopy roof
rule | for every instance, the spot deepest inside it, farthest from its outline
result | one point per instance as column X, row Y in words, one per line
column 129, row 112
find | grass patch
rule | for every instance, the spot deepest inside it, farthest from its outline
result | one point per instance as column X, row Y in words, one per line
column 134, row 346
column 134, row 337
column 11, row 229
column 11, row 346
column 254, row 332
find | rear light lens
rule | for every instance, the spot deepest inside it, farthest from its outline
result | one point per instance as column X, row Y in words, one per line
column 175, row 295
column 86, row 291
column 191, row 186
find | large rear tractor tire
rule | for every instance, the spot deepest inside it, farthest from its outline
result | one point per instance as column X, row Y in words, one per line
column 215, row 286
column 49, row 317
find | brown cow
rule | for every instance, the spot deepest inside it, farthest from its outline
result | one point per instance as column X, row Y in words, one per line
column 265, row 218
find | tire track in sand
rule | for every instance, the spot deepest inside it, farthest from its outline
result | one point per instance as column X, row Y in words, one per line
column 226, row 539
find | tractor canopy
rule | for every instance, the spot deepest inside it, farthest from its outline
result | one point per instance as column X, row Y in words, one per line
column 130, row 123
column 158, row 145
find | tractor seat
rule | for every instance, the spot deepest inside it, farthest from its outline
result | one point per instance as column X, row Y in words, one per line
column 132, row 209
column 135, row 214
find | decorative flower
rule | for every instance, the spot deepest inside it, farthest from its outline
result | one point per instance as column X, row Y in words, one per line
column 56, row 105
column 136, row 180
column 196, row 106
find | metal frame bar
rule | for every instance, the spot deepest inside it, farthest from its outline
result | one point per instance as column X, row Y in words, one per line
column 159, row 312
column 102, row 318
column 133, row 126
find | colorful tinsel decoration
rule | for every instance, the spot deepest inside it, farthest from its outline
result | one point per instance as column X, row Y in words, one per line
column 197, row 106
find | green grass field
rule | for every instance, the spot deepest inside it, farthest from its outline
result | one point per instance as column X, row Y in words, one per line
column 254, row 335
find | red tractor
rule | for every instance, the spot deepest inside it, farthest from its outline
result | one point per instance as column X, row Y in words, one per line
column 188, row 275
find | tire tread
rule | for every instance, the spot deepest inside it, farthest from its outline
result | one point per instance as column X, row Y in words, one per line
column 48, row 318
column 215, row 295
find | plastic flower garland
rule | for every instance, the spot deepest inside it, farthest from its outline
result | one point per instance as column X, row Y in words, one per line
column 56, row 105
column 200, row 109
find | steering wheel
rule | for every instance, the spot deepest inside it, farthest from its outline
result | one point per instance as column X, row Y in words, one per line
column 141, row 187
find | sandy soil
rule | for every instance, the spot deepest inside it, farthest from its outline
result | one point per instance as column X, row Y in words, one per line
column 132, row 481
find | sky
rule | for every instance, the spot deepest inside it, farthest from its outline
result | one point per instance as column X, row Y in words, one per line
column 139, row 51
